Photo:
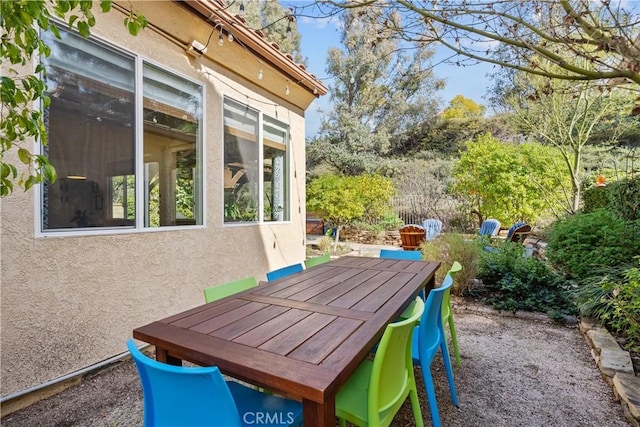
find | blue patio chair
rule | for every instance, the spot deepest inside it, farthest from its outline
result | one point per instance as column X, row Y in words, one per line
column 518, row 232
column 401, row 254
column 428, row 337
column 284, row 272
column 199, row 396
column 432, row 228
column 489, row 227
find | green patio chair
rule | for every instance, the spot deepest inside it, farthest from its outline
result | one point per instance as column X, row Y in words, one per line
column 312, row 262
column 447, row 312
column 377, row 389
column 217, row 292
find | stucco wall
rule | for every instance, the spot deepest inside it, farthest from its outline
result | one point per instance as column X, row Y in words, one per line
column 70, row 302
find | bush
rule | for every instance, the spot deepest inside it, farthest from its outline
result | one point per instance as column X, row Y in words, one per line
column 614, row 302
column 587, row 243
column 513, row 282
column 622, row 198
column 450, row 247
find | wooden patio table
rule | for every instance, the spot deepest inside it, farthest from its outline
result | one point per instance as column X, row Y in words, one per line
column 301, row 336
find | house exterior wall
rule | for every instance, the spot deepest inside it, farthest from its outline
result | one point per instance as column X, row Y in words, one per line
column 69, row 302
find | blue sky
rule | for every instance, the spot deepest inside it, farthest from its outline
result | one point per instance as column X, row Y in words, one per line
column 320, row 35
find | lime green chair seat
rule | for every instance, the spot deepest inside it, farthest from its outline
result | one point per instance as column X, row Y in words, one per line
column 377, row 389
column 217, row 292
column 447, row 313
column 312, row 262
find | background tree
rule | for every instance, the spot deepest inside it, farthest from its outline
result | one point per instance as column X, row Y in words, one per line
column 23, row 88
column 340, row 200
column 461, row 121
column 379, row 92
column 508, row 182
column 277, row 23
column 591, row 41
column 568, row 115
column 462, row 108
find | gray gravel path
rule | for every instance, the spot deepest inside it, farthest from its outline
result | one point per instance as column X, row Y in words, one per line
column 515, row 372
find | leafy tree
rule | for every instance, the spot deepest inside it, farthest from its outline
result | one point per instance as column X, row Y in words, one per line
column 462, row 108
column 506, row 181
column 23, row 88
column 379, row 92
column 340, row 200
column 567, row 115
column 591, row 41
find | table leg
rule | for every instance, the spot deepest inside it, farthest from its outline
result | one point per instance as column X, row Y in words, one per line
column 317, row 414
column 163, row 356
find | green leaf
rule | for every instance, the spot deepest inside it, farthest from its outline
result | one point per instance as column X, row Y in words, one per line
column 30, row 182
column 73, row 19
column 49, row 172
column 83, row 29
column 5, row 170
column 24, row 155
column 105, row 5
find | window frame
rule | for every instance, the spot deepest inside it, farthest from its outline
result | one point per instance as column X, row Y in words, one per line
column 139, row 227
column 260, row 171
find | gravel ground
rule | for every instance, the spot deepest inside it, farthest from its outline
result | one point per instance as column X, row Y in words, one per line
column 515, row 372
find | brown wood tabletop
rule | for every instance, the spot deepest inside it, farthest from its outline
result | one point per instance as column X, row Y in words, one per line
column 302, row 335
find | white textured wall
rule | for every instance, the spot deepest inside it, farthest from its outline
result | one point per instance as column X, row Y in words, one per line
column 70, row 302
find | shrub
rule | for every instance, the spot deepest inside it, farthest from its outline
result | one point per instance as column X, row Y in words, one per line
column 614, row 302
column 450, row 247
column 584, row 244
column 513, row 282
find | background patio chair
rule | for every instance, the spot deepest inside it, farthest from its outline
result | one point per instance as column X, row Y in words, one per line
column 427, row 339
column 411, row 236
column 489, row 227
column 199, row 396
column 377, row 389
column 447, row 312
column 312, row 262
column 432, row 228
column 224, row 290
column 284, row 271
column 518, row 232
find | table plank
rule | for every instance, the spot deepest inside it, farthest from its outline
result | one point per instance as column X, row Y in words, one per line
column 292, row 337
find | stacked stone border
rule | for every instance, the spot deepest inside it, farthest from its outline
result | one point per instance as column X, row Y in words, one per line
column 615, row 367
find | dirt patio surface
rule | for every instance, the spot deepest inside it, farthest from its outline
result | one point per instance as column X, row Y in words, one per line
column 515, row 372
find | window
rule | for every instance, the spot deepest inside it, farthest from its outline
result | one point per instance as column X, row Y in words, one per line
column 125, row 137
column 255, row 190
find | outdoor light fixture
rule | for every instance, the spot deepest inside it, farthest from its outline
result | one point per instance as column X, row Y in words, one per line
column 196, row 49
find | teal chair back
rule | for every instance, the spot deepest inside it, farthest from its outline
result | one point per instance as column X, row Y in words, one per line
column 284, row 272
column 312, row 262
column 215, row 293
column 199, row 396
column 401, row 254
column 428, row 338
column 175, row 395
column 377, row 390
